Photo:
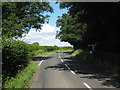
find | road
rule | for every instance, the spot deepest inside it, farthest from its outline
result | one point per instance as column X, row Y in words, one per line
column 61, row 70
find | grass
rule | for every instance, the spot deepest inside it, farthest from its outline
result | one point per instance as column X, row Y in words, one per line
column 103, row 61
column 42, row 52
column 76, row 52
column 22, row 79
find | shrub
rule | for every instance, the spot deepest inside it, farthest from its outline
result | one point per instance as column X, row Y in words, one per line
column 15, row 56
column 49, row 48
column 76, row 52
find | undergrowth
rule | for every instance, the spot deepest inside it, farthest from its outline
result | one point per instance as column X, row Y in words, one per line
column 22, row 79
column 103, row 61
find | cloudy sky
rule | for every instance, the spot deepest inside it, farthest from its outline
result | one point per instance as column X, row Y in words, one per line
column 47, row 35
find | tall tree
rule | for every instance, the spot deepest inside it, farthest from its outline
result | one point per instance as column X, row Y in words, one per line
column 102, row 23
column 70, row 30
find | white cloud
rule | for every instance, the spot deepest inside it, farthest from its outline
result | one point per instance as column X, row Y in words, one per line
column 48, row 29
column 45, row 37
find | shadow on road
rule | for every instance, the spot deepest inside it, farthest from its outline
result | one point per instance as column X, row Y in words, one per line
column 59, row 66
column 39, row 58
column 87, row 70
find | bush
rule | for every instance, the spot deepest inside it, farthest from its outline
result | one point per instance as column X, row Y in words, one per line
column 76, row 52
column 49, row 48
column 15, row 56
column 22, row 79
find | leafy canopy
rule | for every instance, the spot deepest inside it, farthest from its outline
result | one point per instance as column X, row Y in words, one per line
column 20, row 17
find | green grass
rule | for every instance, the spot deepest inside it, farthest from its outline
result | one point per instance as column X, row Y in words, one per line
column 22, row 79
column 76, row 52
column 102, row 62
column 42, row 52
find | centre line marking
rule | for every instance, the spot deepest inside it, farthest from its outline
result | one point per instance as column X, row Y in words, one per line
column 87, row 86
column 40, row 63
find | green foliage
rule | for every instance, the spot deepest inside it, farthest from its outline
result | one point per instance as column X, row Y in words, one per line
column 71, row 30
column 49, row 48
column 15, row 56
column 77, row 52
column 22, row 79
column 90, row 24
column 20, row 17
column 56, row 47
column 46, row 50
column 93, row 27
column 36, row 43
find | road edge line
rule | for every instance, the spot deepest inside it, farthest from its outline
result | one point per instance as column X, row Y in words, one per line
column 87, row 86
column 66, row 65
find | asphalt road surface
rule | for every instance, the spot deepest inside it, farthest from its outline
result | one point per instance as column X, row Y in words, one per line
column 61, row 70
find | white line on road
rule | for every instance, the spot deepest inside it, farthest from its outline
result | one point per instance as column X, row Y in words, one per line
column 87, row 86
column 70, row 69
column 67, row 66
column 40, row 62
column 72, row 72
column 59, row 56
column 61, row 60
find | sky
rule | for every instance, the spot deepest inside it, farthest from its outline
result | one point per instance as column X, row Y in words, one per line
column 48, row 33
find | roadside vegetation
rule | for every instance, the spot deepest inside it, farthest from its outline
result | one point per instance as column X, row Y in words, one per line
column 93, row 30
column 17, row 65
column 45, row 50
column 17, row 19
column 105, row 61
column 22, row 78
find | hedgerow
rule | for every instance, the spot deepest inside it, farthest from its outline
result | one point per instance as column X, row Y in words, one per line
column 15, row 56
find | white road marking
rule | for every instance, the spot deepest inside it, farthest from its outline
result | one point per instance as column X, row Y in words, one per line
column 87, row 86
column 40, row 62
column 70, row 69
column 67, row 66
column 72, row 72
column 61, row 60
column 59, row 56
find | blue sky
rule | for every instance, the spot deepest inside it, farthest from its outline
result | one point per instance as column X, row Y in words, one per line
column 57, row 12
column 47, row 35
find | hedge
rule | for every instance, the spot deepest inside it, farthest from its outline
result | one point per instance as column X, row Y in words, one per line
column 15, row 56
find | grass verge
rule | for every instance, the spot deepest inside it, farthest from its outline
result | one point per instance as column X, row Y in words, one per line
column 42, row 53
column 22, row 79
column 102, row 62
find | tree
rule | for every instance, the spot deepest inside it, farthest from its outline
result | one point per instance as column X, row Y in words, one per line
column 70, row 30
column 36, row 44
column 102, row 23
column 20, row 17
